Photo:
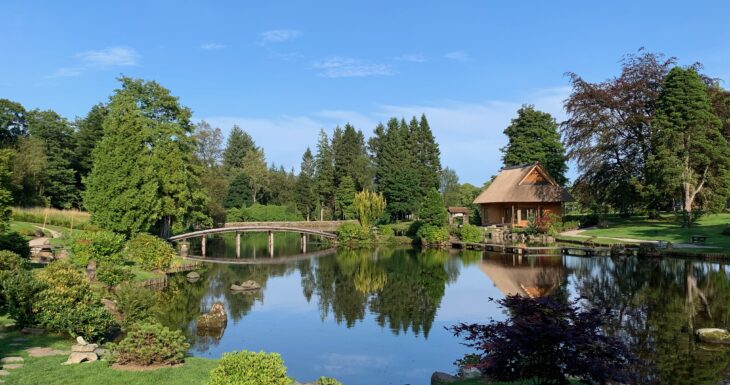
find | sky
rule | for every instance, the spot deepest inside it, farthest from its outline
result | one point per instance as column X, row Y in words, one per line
column 283, row 70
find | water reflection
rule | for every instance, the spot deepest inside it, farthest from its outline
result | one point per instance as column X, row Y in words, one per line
column 387, row 307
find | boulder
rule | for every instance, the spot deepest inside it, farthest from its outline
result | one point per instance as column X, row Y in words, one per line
column 193, row 276
column 246, row 286
column 88, row 348
column 78, row 357
column 11, row 360
column 713, row 336
column 470, row 372
column 215, row 318
column 442, row 378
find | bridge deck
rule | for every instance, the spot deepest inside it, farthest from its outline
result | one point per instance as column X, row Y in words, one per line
column 250, row 229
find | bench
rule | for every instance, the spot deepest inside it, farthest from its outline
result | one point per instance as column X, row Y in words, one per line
column 698, row 239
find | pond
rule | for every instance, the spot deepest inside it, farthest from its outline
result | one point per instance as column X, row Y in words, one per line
column 378, row 316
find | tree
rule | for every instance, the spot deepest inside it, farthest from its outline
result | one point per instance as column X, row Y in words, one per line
column 344, row 197
column 426, row 153
column 239, row 192
column 254, row 167
column 369, row 206
column 324, row 174
column 433, row 212
column 57, row 136
column 144, row 173
column 89, row 132
column 306, row 196
column 396, row 170
column 533, row 137
column 692, row 155
column 12, row 122
column 238, row 145
column 450, row 187
column 6, row 198
column 350, row 157
column 208, row 141
column 28, row 174
column 609, row 133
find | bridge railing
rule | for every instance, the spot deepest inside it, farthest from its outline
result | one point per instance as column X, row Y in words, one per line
column 314, row 225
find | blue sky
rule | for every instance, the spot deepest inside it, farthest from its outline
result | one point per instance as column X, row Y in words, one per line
column 283, row 70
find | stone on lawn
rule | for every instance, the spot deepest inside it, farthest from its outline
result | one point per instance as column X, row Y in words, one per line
column 81, row 341
column 4, row 372
column 33, row 331
column 12, row 366
column 713, row 335
column 88, row 348
column 470, row 372
column 11, row 360
column 442, row 378
column 78, row 357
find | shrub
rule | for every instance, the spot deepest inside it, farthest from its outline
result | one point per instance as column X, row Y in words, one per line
column 263, row 213
column 18, row 290
column 134, row 302
column 549, row 341
column 67, row 303
column 13, row 241
column 10, row 261
column 386, row 231
column 413, row 228
column 249, row 368
column 150, row 252
column 100, row 246
column 352, row 232
column 150, row 344
column 432, row 210
column 726, row 230
column 113, row 275
column 327, row 381
column 433, row 235
column 471, row 233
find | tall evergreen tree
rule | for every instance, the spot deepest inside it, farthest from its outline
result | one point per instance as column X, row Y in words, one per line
column 396, row 172
column 427, row 153
column 29, row 166
column 239, row 192
column 533, row 137
column 12, row 122
column 59, row 185
column 692, row 155
column 144, row 174
column 306, row 196
column 344, row 198
column 350, row 156
column 89, row 132
column 325, row 174
column 238, row 145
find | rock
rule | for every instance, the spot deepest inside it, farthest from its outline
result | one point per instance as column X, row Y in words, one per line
column 88, row 348
column 13, row 366
column 4, row 373
column 81, row 341
column 246, row 286
column 101, row 352
column 11, row 360
column 470, row 372
column 193, row 276
column 215, row 318
column 45, row 352
column 33, row 331
column 78, row 357
column 713, row 336
column 442, row 378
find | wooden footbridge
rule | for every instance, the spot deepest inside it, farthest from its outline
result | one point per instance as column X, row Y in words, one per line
column 255, row 228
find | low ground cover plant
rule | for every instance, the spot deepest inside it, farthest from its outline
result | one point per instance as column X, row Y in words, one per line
column 149, row 344
column 250, row 368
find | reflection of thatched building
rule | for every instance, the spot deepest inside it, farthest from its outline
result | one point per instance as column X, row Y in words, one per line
column 527, row 276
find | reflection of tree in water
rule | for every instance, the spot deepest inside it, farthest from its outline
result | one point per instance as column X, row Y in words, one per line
column 656, row 306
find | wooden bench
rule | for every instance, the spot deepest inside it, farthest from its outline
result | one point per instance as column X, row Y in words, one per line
column 698, row 239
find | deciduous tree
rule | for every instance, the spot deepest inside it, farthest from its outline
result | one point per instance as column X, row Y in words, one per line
column 12, row 122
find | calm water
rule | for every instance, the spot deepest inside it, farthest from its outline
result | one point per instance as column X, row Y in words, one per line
column 378, row 316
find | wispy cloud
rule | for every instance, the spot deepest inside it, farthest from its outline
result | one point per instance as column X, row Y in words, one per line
column 99, row 59
column 457, row 55
column 411, row 57
column 212, row 46
column 279, row 36
column 345, row 67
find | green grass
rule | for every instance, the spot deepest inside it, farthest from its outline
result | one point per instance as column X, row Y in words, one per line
column 667, row 229
column 596, row 240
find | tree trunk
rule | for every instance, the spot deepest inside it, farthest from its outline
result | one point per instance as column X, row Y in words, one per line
column 165, row 225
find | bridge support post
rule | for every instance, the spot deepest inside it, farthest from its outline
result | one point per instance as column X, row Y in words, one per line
column 238, row 245
column 303, row 243
column 202, row 243
column 271, row 244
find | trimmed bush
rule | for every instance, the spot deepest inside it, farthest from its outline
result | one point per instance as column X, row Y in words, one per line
column 150, row 344
column 250, row 368
column 100, row 246
column 471, row 233
column 15, row 242
column 433, row 235
column 10, row 261
column 18, row 290
column 113, row 275
column 134, row 302
column 68, row 304
column 150, row 252
column 327, row 381
column 352, row 232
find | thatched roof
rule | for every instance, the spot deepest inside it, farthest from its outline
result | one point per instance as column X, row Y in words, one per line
column 456, row 210
column 511, row 185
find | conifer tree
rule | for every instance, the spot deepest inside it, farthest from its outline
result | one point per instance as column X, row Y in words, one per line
column 344, row 198
column 239, row 192
column 432, row 210
column 239, row 143
column 144, row 174
column 306, row 196
column 396, row 170
column 89, row 132
column 427, row 154
column 692, row 155
column 324, row 174
column 350, row 156
column 533, row 137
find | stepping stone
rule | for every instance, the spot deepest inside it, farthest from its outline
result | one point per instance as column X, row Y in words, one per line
column 12, row 360
column 4, row 373
column 12, row 366
column 20, row 339
column 33, row 331
column 15, row 344
column 45, row 352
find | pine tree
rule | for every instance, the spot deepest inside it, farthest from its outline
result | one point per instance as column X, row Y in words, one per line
column 692, row 155
column 239, row 192
column 239, row 143
column 433, row 211
column 533, row 137
column 144, row 174
column 344, row 198
column 427, row 153
column 351, row 159
column 324, row 173
column 306, row 196
column 396, row 171
column 89, row 132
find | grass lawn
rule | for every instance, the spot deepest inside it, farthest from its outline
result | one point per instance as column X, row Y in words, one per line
column 597, row 240
column 667, row 229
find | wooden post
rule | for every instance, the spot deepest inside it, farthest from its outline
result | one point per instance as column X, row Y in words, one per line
column 303, row 243
column 238, row 245
column 271, row 244
column 202, row 243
